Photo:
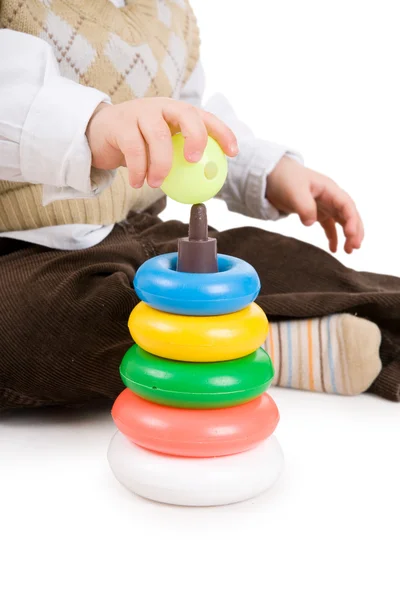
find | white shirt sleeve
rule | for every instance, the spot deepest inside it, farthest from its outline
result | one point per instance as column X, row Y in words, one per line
column 43, row 120
column 245, row 190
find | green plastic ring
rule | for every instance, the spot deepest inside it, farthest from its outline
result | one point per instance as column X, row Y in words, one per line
column 196, row 385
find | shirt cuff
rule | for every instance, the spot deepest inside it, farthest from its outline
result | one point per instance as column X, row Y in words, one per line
column 54, row 149
column 245, row 190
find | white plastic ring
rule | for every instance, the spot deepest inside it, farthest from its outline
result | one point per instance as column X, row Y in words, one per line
column 195, row 481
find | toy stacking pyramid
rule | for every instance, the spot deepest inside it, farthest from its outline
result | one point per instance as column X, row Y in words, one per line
column 195, row 422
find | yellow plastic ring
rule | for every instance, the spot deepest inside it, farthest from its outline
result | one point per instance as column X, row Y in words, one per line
column 198, row 339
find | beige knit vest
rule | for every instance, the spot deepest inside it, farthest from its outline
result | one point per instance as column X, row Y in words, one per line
column 148, row 48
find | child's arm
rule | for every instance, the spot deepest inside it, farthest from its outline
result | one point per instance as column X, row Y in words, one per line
column 137, row 134
column 315, row 198
column 42, row 134
column 268, row 181
column 57, row 132
column 245, row 188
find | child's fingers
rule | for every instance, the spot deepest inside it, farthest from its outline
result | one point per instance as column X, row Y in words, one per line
column 221, row 133
column 350, row 220
column 343, row 209
column 329, row 226
column 305, row 206
column 191, row 125
column 355, row 241
column 157, row 135
column 133, row 147
column 348, row 247
column 361, row 232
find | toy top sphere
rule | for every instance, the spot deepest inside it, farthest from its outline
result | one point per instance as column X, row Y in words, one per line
column 193, row 183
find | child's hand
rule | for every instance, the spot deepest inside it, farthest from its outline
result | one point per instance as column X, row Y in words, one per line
column 294, row 189
column 137, row 134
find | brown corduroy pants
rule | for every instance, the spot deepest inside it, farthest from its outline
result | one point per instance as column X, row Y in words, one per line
column 63, row 315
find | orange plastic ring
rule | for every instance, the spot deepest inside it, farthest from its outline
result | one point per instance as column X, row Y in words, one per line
column 195, row 433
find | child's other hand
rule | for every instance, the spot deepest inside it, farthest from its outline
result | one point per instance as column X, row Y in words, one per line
column 294, row 189
column 137, row 134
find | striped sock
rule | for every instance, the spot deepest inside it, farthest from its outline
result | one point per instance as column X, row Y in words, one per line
column 338, row 354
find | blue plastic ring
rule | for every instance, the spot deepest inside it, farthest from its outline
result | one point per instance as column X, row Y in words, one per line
column 160, row 285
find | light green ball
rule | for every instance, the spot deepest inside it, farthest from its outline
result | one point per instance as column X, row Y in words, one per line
column 192, row 183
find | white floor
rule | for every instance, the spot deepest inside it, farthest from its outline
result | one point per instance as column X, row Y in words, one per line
column 330, row 529
column 69, row 530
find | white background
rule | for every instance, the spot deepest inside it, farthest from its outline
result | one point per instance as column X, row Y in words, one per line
column 322, row 77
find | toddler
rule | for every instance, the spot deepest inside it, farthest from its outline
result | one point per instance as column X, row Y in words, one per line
column 90, row 93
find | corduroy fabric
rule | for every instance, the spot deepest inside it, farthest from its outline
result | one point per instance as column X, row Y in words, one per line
column 63, row 318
